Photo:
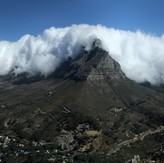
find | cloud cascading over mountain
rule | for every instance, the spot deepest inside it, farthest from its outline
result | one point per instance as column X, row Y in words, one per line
column 140, row 55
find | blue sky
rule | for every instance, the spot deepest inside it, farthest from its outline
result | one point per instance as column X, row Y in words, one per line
column 19, row 17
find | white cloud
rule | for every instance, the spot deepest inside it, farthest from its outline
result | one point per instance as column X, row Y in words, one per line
column 140, row 55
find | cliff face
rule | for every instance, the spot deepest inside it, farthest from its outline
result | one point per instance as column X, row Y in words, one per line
column 103, row 66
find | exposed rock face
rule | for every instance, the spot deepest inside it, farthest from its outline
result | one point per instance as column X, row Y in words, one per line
column 93, row 65
column 105, row 68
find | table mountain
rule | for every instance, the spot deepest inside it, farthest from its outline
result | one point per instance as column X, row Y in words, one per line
column 87, row 110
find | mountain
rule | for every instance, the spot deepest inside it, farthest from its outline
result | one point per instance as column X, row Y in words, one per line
column 87, row 111
column 92, row 65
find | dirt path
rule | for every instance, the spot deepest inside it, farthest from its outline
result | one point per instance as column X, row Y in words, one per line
column 141, row 136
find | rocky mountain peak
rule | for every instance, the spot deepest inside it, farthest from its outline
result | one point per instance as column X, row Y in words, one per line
column 93, row 65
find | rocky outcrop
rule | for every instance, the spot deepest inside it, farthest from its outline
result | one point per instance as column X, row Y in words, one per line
column 106, row 67
column 65, row 140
